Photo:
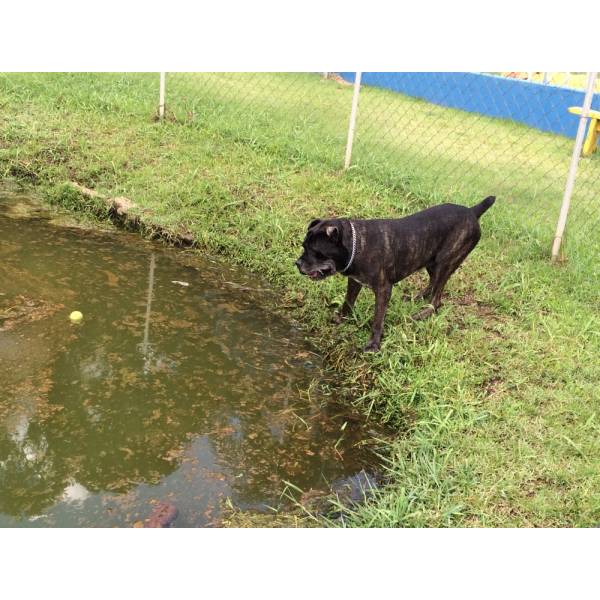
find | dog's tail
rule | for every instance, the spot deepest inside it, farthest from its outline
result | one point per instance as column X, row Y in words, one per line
column 480, row 208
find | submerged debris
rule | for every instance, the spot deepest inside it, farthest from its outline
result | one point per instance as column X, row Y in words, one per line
column 23, row 309
column 356, row 488
column 345, row 492
column 162, row 516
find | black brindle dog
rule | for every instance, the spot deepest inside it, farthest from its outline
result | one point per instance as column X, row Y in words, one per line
column 380, row 252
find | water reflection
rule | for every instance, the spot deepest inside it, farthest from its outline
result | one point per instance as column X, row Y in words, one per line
column 145, row 343
column 98, row 426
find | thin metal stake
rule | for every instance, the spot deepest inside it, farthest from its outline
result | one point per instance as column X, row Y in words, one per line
column 161, row 100
column 352, row 123
column 564, row 209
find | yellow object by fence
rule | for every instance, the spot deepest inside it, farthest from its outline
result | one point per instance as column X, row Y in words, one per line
column 591, row 141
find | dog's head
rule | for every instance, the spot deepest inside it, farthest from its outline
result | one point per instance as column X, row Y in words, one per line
column 324, row 252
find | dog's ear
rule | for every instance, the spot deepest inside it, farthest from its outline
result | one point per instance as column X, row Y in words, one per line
column 333, row 233
column 314, row 223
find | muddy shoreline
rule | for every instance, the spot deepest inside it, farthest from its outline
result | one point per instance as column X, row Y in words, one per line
column 122, row 213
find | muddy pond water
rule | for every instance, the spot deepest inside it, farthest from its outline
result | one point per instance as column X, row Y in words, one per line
column 176, row 389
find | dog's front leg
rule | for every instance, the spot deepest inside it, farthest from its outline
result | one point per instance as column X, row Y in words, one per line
column 382, row 299
column 351, row 294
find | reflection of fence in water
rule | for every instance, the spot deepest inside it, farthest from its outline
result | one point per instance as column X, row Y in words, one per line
column 146, row 342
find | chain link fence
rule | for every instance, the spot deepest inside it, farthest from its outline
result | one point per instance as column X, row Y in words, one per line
column 297, row 116
column 434, row 136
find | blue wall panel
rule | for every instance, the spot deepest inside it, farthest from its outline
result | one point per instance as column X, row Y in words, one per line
column 541, row 106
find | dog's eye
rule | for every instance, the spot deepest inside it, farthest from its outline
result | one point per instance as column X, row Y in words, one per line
column 319, row 255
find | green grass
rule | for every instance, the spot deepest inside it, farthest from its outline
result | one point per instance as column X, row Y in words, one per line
column 495, row 399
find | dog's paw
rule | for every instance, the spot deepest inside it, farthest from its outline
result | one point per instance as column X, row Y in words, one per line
column 372, row 346
column 337, row 318
column 424, row 313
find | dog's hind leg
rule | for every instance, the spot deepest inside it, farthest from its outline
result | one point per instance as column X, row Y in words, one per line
column 351, row 294
column 444, row 266
column 425, row 293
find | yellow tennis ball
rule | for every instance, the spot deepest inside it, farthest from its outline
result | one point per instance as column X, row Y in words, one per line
column 75, row 316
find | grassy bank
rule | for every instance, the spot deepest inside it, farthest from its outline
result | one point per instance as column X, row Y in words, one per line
column 495, row 399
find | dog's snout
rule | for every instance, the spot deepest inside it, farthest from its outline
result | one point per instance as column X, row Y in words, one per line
column 298, row 263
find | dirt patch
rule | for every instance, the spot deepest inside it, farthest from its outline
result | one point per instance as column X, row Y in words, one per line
column 22, row 171
column 468, row 306
column 531, row 487
column 492, row 386
column 485, row 311
column 54, row 155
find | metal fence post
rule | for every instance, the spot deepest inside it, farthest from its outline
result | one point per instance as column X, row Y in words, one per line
column 161, row 99
column 564, row 209
column 352, row 123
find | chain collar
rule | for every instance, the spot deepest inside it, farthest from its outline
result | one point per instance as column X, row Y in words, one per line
column 353, row 249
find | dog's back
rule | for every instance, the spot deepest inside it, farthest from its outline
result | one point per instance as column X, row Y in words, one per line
column 405, row 245
column 437, row 218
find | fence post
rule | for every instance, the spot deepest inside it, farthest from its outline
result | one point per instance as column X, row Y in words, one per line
column 352, row 123
column 564, row 209
column 161, row 99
